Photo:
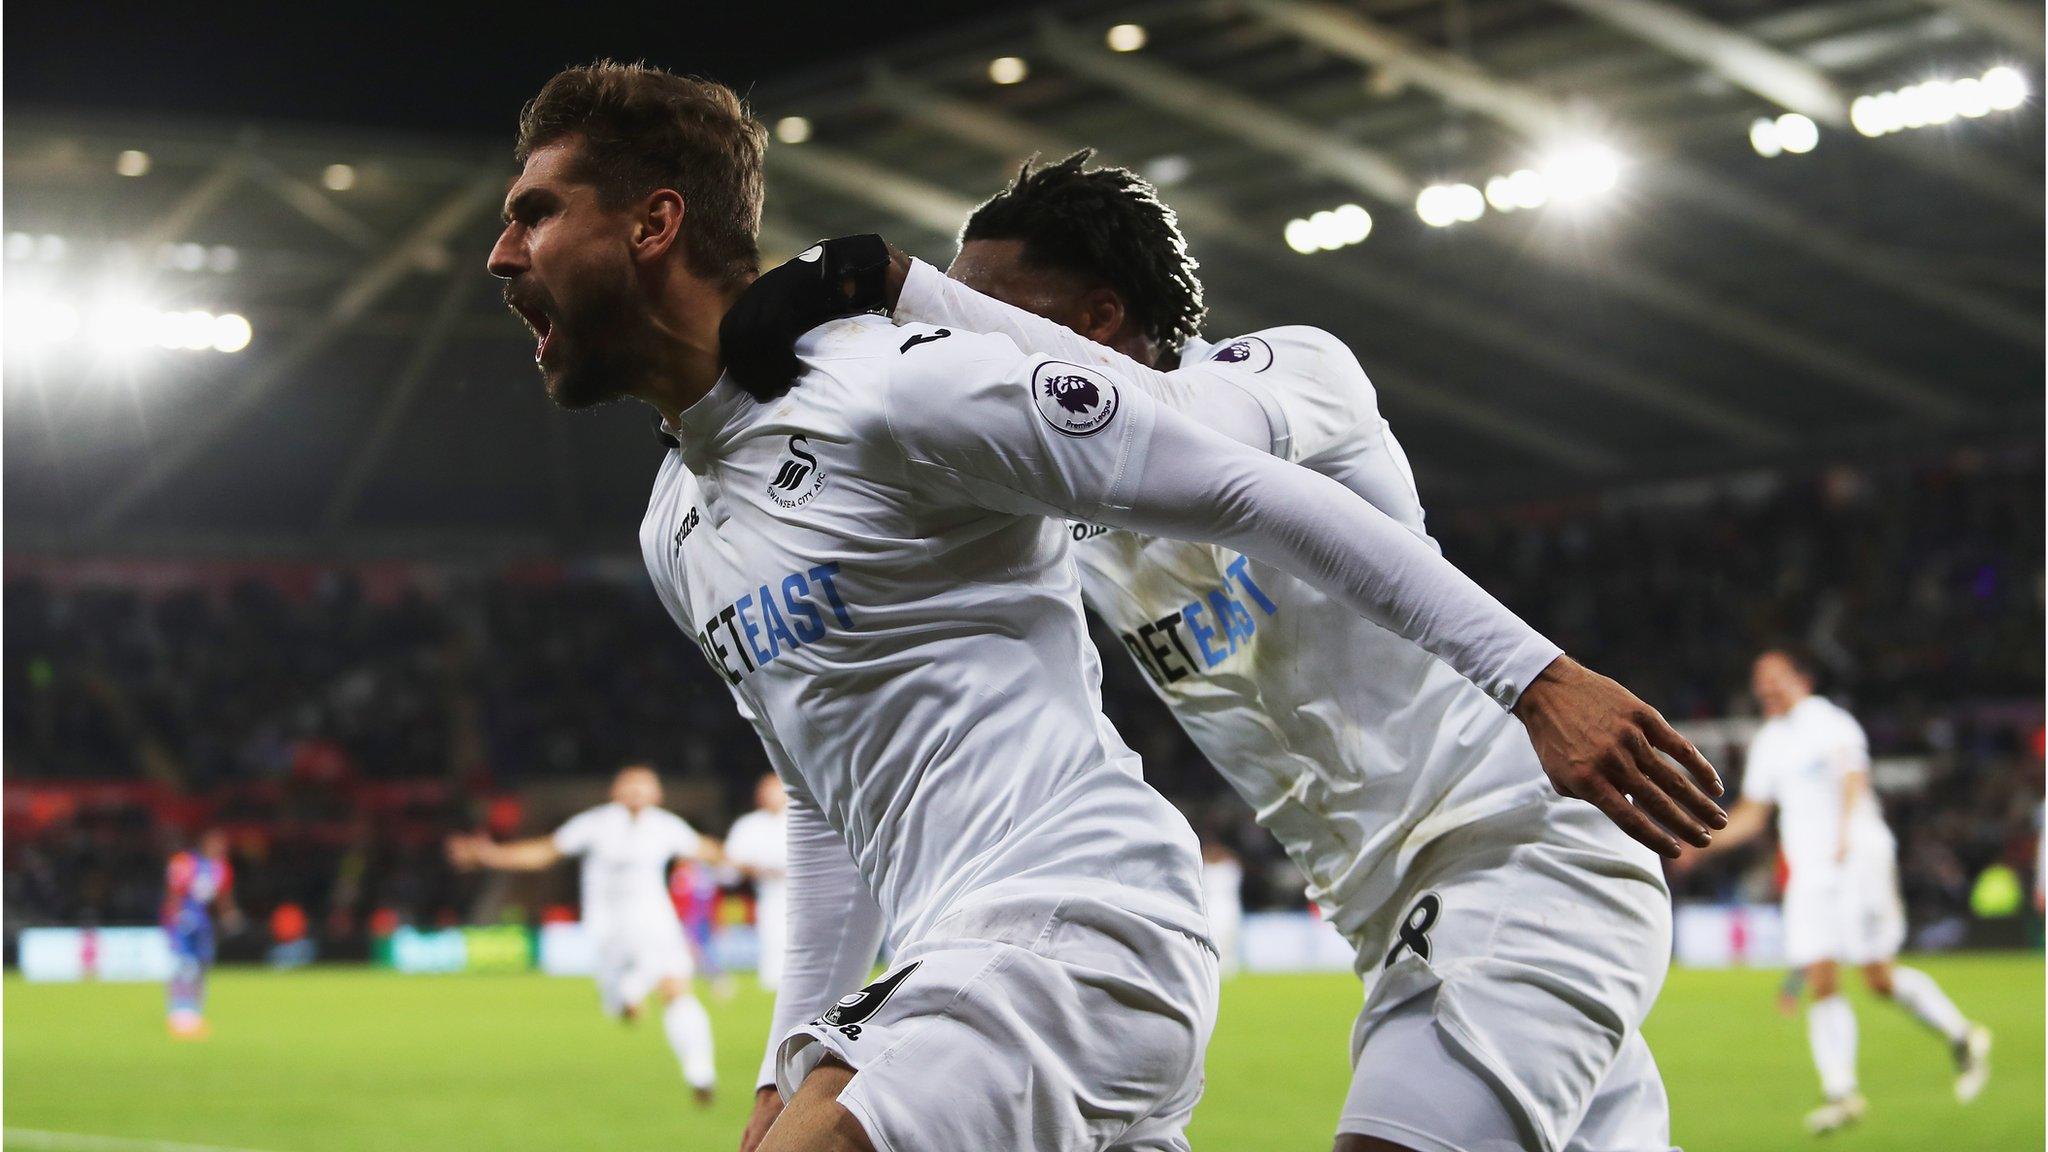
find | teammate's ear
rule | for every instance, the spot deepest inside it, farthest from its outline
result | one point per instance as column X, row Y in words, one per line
column 660, row 225
column 1101, row 315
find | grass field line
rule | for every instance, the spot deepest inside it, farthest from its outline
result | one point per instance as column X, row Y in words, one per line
column 35, row 1138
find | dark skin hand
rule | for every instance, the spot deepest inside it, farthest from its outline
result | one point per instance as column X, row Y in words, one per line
column 1599, row 743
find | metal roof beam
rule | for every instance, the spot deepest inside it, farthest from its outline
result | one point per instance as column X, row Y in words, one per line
column 2017, row 25
column 1785, row 80
column 197, row 201
column 398, row 398
column 362, row 291
column 1207, row 217
column 1232, row 114
column 927, row 205
column 1278, row 132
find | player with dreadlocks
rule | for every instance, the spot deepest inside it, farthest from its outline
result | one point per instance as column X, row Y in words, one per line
column 1510, row 941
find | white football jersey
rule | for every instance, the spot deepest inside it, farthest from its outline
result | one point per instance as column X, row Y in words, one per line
column 625, row 861
column 917, row 659
column 1354, row 746
column 760, row 840
column 1798, row 762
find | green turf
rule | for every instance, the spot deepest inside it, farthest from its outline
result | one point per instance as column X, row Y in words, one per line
column 349, row 1059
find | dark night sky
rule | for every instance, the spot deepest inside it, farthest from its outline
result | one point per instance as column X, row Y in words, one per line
column 425, row 66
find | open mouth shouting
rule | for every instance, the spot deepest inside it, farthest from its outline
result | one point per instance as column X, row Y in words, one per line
column 538, row 319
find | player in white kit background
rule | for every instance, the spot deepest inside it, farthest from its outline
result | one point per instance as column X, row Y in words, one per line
column 758, row 845
column 1511, row 941
column 874, row 562
column 625, row 848
column 1810, row 762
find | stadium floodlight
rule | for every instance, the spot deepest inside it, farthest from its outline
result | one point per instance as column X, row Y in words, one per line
column 1125, row 37
column 231, row 332
column 1797, row 134
column 1529, row 188
column 2004, row 88
column 1971, row 100
column 1008, row 69
column 1329, row 230
column 1353, row 223
column 1433, row 205
column 1763, row 137
column 1874, row 115
column 792, row 129
column 1581, row 171
column 132, row 163
column 51, row 249
column 20, row 246
column 338, row 177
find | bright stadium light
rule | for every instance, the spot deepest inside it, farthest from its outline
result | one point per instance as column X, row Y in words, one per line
column 51, row 249
column 21, row 246
column 1874, row 115
column 132, row 163
column 1763, row 137
column 1125, row 37
column 338, row 177
column 792, row 129
column 231, row 332
column 1329, row 230
column 1529, row 188
column 1008, row 69
column 1971, row 100
column 1353, row 222
column 2004, row 88
column 1433, row 205
column 1797, row 134
column 1581, row 171
column 1932, row 102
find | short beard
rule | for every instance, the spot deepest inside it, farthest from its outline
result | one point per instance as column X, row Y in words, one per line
column 601, row 360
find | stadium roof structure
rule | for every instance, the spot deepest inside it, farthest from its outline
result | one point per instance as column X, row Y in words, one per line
column 1867, row 287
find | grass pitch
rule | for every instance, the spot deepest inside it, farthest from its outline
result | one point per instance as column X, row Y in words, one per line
column 344, row 1059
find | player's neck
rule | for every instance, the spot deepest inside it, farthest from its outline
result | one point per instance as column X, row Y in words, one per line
column 686, row 361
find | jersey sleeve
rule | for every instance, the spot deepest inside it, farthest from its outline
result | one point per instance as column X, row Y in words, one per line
column 1216, row 400
column 1038, row 436
column 577, row 835
column 1848, row 749
column 835, row 926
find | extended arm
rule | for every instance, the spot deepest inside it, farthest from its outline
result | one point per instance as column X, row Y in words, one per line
column 1053, row 438
column 1746, row 821
column 535, row 855
column 930, row 296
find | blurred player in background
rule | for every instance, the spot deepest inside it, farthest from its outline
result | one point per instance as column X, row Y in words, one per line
column 1411, row 797
column 758, row 845
column 1811, row 761
column 198, row 885
column 1223, row 892
column 626, row 847
column 694, row 889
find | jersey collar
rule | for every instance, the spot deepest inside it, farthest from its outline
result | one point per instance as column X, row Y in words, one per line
column 696, row 430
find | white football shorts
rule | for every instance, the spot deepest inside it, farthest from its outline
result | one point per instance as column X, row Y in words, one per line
column 1851, row 915
column 1505, row 987
column 635, row 955
column 1032, row 1023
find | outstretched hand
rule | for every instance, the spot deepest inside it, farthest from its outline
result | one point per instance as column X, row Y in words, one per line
column 463, row 850
column 1599, row 743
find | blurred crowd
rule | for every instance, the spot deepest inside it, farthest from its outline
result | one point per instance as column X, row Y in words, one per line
column 341, row 722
